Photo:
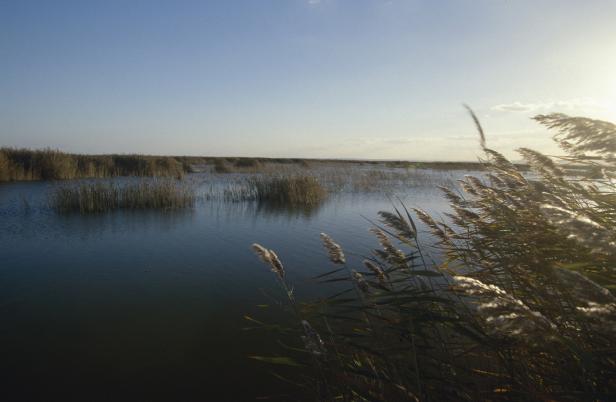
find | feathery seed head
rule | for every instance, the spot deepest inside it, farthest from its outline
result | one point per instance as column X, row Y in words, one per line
column 380, row 274
column 270, row 258
column 262, row 253
column 398, row 223
column 360, row 281
column 503, row 314
column 391, row 253
column 276, row 264
column 336, row 255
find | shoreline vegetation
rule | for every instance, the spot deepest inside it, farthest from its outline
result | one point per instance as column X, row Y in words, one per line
column 290, row 188
column 49, row 164
column 521, row 308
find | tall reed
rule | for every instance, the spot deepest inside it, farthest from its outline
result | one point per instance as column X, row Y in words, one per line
column 521, row 308
column 87, row 198
column 48, row 164
column 294, row 190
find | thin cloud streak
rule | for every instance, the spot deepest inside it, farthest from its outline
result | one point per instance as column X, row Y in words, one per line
column 569, row 104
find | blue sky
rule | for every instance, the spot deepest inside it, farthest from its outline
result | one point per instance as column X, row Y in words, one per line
column 371, row 79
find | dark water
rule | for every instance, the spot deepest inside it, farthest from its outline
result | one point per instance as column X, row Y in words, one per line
column 149, row 306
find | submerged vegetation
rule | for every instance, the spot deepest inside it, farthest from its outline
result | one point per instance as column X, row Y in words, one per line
column 26, row 164
column 89, row 198
column 521, row 308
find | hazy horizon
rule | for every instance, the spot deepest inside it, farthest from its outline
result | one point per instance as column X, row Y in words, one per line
column 329, row 79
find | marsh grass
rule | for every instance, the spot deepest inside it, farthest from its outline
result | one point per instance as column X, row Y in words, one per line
column 291, row 194
column 294, row 185
column 251, row 163
column 222, row 166
column 387, row 179
column 257, row 165
column 522, row 307
column 244, row 165
column 288, row 190
column 48, row 164
column 88, row 198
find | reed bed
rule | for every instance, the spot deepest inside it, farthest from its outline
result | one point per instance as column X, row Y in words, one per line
column 222, row 166
column 331, row 179
column 88, row 198
column 256, row 165
column 288, row 190
column 380, row 178
column 522, row 307
column 48, row 164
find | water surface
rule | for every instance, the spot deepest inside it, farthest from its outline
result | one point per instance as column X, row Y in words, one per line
column 149, row 305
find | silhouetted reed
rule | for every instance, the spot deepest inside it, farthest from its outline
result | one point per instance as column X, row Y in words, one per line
column 521, row 308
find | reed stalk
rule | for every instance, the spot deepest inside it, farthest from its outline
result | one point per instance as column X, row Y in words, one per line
column 521, row 308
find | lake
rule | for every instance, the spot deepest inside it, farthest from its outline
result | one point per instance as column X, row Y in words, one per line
column 150, row 305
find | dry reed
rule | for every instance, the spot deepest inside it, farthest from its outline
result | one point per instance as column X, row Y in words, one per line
column 89, row 198
column 521, row 308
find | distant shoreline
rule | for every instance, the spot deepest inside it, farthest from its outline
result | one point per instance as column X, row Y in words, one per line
column 22, row 164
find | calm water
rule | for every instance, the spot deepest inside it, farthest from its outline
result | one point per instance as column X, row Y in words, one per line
column 149, row 306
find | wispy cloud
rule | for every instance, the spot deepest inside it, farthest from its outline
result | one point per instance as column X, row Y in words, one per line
column 314, row 2
column 378, row 140
column 568, row 104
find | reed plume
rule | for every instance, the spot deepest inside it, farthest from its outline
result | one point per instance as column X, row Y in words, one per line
column 336, row 255
column 270, row 258
column 522, row 306
column 377, row 271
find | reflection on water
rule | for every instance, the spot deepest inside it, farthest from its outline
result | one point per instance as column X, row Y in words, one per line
column 276, row 208
column 88, row 226
column 148, row 305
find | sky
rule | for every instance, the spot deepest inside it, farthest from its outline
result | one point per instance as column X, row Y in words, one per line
column 373, row 79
